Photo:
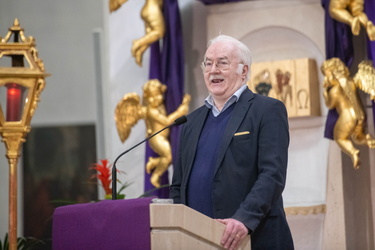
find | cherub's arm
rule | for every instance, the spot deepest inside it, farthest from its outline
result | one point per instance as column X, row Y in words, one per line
column 332, row 88
column 165, row 120
column 327, row 98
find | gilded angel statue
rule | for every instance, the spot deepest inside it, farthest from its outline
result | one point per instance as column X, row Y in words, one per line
column 341, row 93
column 351, row 13
column 130, row 110
column 152, row 15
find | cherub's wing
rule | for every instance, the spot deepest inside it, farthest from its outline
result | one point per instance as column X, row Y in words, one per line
column 365, row 78
column 127, row 113
column 115, row 4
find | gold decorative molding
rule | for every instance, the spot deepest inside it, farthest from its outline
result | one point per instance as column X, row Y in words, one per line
column 318, row 209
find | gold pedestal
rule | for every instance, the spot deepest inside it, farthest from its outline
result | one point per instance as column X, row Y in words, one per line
column 13, row 140
column 22, row 82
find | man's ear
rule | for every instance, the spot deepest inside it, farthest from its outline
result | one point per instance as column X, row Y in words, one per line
column 245, row 70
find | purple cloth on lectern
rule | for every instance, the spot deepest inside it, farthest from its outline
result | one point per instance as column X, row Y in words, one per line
column 218, row 1
column 168, row 67
column 104, row 225
column 370, row 11
column 338, row 40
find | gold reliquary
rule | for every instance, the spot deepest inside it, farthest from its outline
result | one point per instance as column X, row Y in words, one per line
column 294, row 82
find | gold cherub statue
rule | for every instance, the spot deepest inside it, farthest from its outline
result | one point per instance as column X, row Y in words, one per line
column 152, row 15
column 129, row 111
column 351, row 13
column 341, row 93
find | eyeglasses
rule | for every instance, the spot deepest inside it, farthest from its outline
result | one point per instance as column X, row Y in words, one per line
column 221, row 65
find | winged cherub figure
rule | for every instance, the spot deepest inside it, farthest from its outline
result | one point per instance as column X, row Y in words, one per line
column 341, row 93
column 351, row 12
column 152, row 15
column 129, row 111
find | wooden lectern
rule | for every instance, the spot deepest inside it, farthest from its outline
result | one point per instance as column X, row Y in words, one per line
column 135, row 224
column 176, row 226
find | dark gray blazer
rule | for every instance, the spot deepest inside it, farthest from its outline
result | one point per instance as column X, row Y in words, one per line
column 251, row 169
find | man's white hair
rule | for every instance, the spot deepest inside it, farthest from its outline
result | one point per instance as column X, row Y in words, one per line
column 244, row 53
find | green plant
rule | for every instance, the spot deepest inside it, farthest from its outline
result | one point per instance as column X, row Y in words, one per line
column 23, row 243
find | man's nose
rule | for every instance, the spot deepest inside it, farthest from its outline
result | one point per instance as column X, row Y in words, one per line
column 214, row 68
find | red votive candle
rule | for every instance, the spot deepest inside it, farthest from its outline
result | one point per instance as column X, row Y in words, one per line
column 13, row 102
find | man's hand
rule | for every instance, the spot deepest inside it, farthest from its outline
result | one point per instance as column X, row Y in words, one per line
column 235, row 232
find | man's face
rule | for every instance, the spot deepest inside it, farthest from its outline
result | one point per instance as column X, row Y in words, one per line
column 223, row 83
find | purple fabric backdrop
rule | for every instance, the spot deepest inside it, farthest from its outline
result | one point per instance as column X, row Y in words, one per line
column 370, row 11
column 173, row 71
column 338, row 40
column 168, row 67
column 108, row 224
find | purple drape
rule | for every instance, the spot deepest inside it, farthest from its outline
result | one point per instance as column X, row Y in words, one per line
column 338, row 40
column 370, row 11
column 168, row 67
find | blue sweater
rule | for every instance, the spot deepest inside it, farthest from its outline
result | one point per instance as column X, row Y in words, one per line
column 199, row 195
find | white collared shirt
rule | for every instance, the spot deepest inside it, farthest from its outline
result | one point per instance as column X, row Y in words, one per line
column 209, row 101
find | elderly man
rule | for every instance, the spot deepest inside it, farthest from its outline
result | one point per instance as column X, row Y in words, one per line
column 233, row 152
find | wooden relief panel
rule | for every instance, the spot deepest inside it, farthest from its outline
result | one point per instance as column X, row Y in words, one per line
column 294, row 82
